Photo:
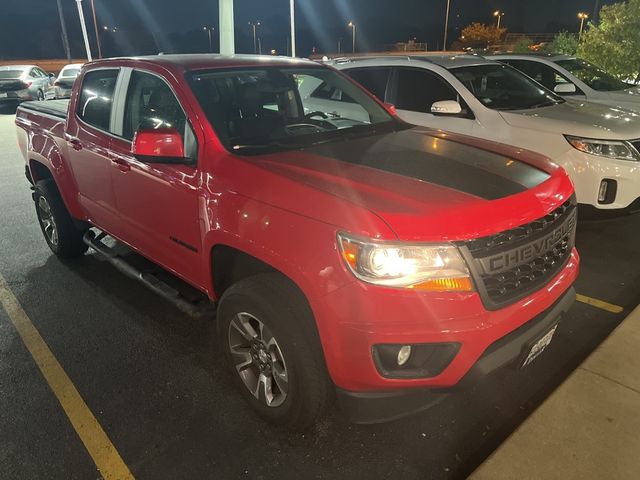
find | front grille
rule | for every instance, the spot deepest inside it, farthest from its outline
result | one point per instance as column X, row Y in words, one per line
column 512, row 264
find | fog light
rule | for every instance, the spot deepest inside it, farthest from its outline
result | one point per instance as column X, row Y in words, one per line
column 403, row 354
column 607, row 191
column 602, row 193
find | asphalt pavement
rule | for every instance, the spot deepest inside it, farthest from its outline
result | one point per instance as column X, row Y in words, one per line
column 151, row 378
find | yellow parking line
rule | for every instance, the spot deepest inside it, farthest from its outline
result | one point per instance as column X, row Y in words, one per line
column 95, row 440
column 594, row 302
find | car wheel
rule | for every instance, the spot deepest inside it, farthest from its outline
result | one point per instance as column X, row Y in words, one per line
column 59, row 229
column 40, row 95
column 267, row 334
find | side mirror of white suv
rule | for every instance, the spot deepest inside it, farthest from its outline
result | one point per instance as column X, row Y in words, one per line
column 565, row 88
column 446, row 107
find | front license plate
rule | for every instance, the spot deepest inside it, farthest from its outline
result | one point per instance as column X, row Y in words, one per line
column 3, row 95
column 539, row 346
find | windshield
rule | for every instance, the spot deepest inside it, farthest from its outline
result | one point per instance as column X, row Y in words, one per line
column 70, row 72
column 286, row 108
column 593, row 76
column 502, row 87
column 5, row 74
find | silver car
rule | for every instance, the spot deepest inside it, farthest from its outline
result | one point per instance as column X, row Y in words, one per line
column 66, row 78
column 19, row 83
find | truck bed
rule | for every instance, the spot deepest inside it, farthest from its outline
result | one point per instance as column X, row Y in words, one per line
column 55, row 108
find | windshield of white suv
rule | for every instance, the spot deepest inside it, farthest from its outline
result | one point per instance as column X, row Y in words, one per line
column 593, row 76
column 501, row 87
column 285, row 108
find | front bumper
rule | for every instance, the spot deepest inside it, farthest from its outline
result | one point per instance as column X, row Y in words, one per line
column 588, row 171
column 354, row 318
column 376, row 407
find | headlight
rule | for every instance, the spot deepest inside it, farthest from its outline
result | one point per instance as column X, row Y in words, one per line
column 605, row 148
column 432, row 267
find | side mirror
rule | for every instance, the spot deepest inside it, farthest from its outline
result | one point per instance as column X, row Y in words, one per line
column 446, row 107
column 162, row 145
column 52, row 75
column 565, row 88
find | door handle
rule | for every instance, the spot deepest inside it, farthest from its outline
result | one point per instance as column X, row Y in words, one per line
column 75, row 142
column 122, row 165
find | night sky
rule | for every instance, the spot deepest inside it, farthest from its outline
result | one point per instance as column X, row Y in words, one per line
column 31, row 28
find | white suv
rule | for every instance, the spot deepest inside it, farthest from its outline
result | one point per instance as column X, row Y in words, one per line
column 575, row 77
column 597, row 145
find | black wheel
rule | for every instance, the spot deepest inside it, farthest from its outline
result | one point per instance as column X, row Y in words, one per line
column 40, row 95
column 60, row 231
column 267, row 335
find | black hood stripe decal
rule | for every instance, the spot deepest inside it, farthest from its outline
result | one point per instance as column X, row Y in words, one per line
column 439, row 161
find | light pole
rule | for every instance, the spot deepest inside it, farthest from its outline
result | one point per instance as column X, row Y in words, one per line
column 499, row 15
column 446, row 26
column 84, row 30
column 65, row 38
column 209, row 30
column 340, row 45
column 95, row 27
column 254, row 26
column 292, row 14
column 353, row 36
column 582, row 16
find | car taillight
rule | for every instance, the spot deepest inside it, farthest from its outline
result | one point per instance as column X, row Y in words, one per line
column 27, row 84
column 56, row 84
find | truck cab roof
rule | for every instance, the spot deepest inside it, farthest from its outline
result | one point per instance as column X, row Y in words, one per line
column 201, row 61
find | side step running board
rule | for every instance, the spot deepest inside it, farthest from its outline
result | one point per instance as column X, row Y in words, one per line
column 201, row 308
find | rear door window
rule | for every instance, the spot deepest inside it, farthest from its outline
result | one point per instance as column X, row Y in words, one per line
column 373, row 79
column 96, row 97
column 418, row 89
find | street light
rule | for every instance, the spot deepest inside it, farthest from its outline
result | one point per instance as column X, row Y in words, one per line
column 83, row 25
column 254, row 26
column 499, row 15
column 209, row 30
column 353, row 36
column 95, row 26
column 582, row 16
column 292, row 15
column 446, row 26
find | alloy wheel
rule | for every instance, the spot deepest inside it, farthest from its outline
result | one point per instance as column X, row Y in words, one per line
column 47, row 221
column 258, row 359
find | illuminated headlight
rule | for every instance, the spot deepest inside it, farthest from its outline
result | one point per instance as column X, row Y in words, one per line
column 605, row 148
column 432, row 267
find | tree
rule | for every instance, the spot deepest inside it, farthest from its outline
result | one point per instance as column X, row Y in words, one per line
column 478, row 35
column 614, row 44
column 522, row 45
column 564, row 42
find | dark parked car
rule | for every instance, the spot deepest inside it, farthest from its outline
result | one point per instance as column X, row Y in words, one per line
column 19, row 83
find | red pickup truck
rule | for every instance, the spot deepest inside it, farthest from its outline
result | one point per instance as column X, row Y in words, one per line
column 349, row 254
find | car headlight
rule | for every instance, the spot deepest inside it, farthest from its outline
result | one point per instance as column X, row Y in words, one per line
column 434, row 267
column 605, row 148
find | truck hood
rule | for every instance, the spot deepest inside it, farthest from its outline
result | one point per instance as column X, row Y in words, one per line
column 425, row 185
column 583, row 119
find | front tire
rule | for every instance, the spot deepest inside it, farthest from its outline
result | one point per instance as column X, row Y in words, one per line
column 40, row 95
column 59, row 229
column 267, row 335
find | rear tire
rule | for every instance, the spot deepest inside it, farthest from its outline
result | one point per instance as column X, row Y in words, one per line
column 267, row 334
column 59, row 229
